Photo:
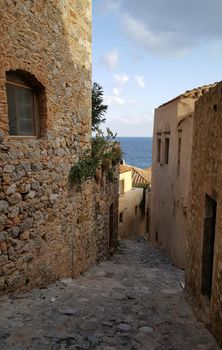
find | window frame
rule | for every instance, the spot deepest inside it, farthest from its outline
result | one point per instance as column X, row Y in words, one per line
column 16, row 80
column 159, row 148
column 179, row 151
column 166, row 149
column 121, row 187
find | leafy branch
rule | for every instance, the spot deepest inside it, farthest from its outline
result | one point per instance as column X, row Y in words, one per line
column 104, row 155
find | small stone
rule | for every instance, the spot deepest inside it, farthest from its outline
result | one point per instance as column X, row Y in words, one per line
column 13, row 212
column 146, row 329
column 14, row 232
column 123, row 327
column 26, row 225
column 53, row 197
column 3, row 206
column 25, row 188
column 17, row 175
column 26, row 166
column 3, row 259
column 24, row 236
column 8, row 169
column 3, row 220
column 11, row 189
column 92, row 339
column 53, row 299
column 8, row 2
column 84, row 345
column 30, row 195
column 3, row 246
column 3, row 236
column 35, row 185
column 15, row 198
column 66, row 281
column 37, row 166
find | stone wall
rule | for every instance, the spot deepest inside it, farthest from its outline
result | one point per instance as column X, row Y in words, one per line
column 206, row 179
column 48, row 230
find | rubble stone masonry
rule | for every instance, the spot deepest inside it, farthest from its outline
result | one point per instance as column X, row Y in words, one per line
column 205, row 263
column 47, row 229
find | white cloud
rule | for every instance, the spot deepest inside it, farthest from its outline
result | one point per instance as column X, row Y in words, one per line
column 158, row 42
column 171, row 28
column 117, row 91
column 140, row 119
column 140, row 81
column 111, row 100
column 129, row 121
column 110, row 59
column 121, row 79
column 132, row 101
column 106, row 6
column 117, row 99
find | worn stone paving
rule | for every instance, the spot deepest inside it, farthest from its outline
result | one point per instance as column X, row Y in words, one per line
column 133, row 301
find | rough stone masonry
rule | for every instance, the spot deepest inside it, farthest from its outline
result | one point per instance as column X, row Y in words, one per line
column 204, row 254
column 48, row 230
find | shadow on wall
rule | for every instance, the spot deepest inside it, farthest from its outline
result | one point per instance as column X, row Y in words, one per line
column 51, row 40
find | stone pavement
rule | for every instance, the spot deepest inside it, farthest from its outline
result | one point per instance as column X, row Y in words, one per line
column 133, row 301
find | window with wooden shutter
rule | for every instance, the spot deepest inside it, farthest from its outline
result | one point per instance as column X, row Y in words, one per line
column 22, row 106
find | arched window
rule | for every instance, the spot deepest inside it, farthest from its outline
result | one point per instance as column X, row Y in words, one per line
column 23, row 96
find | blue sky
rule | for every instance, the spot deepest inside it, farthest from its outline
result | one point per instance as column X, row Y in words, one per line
column 147, row 52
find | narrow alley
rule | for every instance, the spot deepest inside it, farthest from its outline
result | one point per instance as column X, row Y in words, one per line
column 133, row 301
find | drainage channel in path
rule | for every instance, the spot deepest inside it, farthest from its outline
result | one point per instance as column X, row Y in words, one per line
column 132, row 301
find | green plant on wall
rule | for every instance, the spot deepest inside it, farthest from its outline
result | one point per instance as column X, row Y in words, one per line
column 104, row 154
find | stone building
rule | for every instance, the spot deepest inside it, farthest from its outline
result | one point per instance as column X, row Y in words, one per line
column 172, row 144
column 47, row 229
column 133, row 219
column 204, row 258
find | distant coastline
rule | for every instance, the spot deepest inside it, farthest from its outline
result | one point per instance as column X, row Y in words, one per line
column 137, row 151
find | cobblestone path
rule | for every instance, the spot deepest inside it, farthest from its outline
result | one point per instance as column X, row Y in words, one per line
column 133, row 301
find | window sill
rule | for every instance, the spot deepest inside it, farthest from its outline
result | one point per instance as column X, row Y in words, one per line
column 18, row 137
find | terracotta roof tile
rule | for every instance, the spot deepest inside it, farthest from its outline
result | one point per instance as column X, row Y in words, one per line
column 139, row 176
column 194, row 93
column 123, row 168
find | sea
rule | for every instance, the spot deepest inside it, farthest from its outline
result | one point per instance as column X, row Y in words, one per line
column 137, row 151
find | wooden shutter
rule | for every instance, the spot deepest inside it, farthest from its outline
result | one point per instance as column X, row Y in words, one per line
column 21, row 110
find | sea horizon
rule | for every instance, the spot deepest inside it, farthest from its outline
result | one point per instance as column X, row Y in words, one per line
column 137, row 150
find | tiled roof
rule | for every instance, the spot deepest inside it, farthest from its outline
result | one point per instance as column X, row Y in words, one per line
column 123, row 168
column 194, row 93
column 139, row 176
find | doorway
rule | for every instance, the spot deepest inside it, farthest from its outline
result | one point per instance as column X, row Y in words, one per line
column 111, row 226
column 208, row 246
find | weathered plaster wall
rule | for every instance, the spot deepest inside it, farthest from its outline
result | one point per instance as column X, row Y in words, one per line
column 206, row 170
column 127, row 177
column 169, row 190
column 133, row 219
column 46, row 229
